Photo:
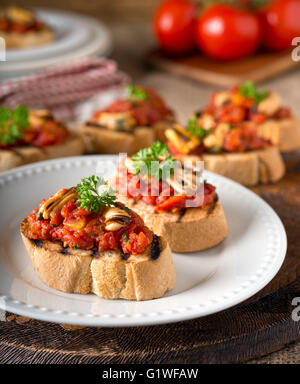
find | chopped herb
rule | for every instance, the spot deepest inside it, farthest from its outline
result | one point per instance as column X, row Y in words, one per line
column 89, row 197
column 250, row 91
column 136, row 93
column 125, row 238
column 196, row 130
column 76, row 247
column 13, row 123
column 39, row 216
column 158, row 152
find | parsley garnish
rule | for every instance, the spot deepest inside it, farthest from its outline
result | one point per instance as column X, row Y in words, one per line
column 125, row 238
column 136, row 93
column 76, row 247
column 249, row 90
column 196, row 130
column 158, row 153
column 12, row 124
column 90, row 199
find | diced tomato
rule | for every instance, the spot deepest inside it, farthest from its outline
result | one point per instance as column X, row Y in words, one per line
column 172, row 202
column 258, row 118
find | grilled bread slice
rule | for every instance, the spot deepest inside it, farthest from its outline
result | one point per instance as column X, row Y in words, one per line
column 248, row 168
column 17, row 156
column 109, row 274
column 189, row 230
column 284, row 133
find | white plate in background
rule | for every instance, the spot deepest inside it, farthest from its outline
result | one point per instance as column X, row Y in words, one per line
column 207, row 282
column 77, row 36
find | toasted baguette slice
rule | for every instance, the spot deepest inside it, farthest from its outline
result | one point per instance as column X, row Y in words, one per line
column 284, row 133
column 109, row 274
column 11, row 158
column 189, row 230
column 101, row 140
column 15, row 40
column 249, row 168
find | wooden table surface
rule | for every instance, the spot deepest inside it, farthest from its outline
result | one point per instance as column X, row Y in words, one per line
column 132, row 39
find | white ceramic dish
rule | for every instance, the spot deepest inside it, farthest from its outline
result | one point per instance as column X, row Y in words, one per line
column 207, row 281
column 77, row 36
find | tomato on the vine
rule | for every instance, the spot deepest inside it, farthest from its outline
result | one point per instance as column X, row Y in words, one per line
column 174, row 23
column 224, row 32
column 280, row 20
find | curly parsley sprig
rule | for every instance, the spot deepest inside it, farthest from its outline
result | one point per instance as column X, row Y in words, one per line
column 136, row 93
column 158, row 153
column 195, row 129
column 250, row 91
column 89, row 197
column 13, row 123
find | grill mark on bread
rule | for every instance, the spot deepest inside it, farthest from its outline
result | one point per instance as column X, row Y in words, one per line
column 38, row 243
column 212, row 206
column 101, row 126
column 95, row 253
column 64, row 250
column 155, row 248
column 124, row 256
column 181, row 214
column 17, row 153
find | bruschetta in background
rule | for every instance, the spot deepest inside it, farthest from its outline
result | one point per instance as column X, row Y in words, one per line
column 21, row 29
column 129, row 124
column 82, row 240
column 188, row 221
column 27, row 136
column 264, row 109
column 232, row 150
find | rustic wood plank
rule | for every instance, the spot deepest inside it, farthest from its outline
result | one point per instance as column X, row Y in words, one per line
column 258, row 68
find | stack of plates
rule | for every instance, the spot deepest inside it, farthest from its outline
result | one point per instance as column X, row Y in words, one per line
column 77, row 37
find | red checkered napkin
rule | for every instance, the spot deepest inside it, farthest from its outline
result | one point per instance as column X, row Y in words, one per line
column 62, row 88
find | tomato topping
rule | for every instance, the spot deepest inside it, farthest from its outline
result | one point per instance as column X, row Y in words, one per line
column 146, row 112
column 49, row 133
column 77, row 228
column 243, row 138
column 161, row 196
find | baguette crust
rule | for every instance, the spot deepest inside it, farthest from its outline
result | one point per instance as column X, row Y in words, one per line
column 190, row 230
column 106, row 274
column 101, row 140
column 284, row 133
column 15, row 40
column 15, row 157
column 249, row 168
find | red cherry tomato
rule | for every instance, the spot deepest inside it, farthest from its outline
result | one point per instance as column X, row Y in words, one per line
column 281, row 23
column 174, row 23
column 227, row 33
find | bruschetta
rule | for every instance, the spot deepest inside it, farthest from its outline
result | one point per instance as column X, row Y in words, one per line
column 189, row 219
column 264, row 109
column 27, row 136
column 129, row 124
column 231, row 150
column 81, row 240
column 20, row 29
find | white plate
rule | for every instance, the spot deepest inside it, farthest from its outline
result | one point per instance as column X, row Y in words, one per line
column 77, row 36
column 207, row 281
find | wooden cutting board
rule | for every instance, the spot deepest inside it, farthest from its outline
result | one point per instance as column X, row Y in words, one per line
column 254, row 328
column 258, row 68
